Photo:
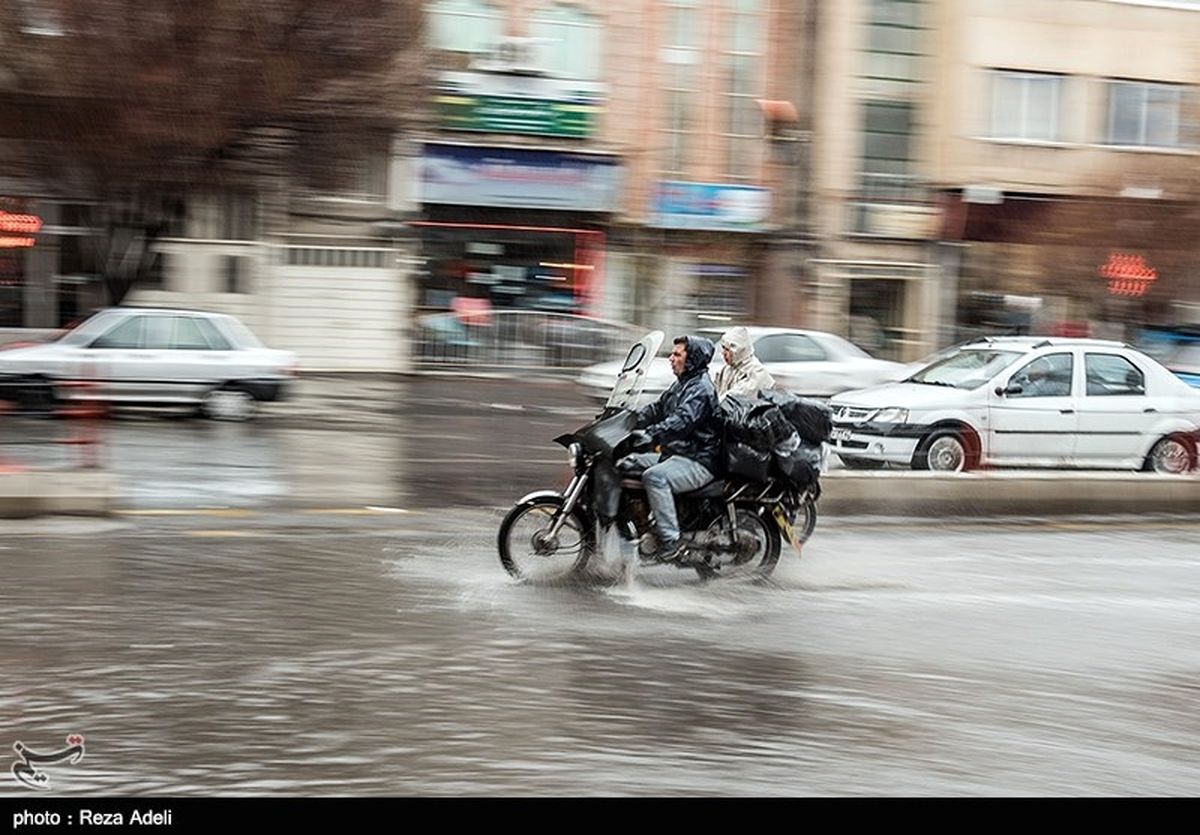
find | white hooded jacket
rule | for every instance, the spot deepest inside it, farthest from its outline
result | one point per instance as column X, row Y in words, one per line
column 744, row 375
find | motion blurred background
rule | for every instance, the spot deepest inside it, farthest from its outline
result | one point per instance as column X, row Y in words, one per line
column 390, row 185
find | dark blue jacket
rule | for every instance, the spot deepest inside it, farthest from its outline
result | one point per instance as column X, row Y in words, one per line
column 684, row 420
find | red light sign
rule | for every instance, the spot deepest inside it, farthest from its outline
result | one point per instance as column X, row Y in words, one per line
column 15, row 230
column 1127, row 274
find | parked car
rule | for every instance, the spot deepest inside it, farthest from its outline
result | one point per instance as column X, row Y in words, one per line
column 810, row 363
column 1025, row 401
column 158, row 357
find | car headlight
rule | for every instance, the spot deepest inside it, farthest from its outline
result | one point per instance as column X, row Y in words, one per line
column 891, row 416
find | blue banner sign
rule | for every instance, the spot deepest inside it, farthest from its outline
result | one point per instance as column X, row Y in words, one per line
column 711, row 206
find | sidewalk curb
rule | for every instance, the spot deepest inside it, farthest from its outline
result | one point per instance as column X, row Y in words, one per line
column 56, row 492
column 926, row 495
column 1051, row 493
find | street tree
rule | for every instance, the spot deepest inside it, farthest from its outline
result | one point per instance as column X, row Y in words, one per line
column 129, row 105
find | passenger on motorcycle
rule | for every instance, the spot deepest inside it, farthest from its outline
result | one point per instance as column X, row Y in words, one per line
column 743, row 374
column 684, row 424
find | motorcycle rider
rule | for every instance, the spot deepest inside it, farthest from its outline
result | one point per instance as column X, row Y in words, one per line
column 684, row 424
column 743, row 374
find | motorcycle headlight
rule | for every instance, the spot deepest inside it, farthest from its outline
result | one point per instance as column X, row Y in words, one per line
column 891, row 416
column 573, row 452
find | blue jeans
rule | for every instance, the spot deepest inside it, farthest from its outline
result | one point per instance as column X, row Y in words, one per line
column 663, row 479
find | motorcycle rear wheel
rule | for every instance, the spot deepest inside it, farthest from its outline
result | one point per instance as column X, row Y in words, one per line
column 805, row 521
column 528, row 553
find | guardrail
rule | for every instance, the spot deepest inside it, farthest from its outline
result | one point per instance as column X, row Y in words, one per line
column 518, row 339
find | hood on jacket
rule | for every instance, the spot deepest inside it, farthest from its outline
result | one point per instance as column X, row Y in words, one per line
column 699, row 355
column 737, row 340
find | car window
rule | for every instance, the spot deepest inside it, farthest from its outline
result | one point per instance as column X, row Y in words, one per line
column 1110, row 374
column 1048, row 376
column 158, row 332
column 216, row 339
column 187, row 336
column 128, row 334
column 967, row 369
column 788, row 347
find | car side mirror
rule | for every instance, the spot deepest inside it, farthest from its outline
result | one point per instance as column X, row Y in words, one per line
column 1011, row 388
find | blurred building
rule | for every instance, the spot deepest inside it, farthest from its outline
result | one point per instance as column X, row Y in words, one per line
column 625, row 159
column 310, row 267
column 876, row 275
column 904, row 172
column 1061, row 139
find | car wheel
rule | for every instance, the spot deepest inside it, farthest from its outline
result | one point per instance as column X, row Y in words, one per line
column 229, row 404
column 1172, row 456
column 943, row 452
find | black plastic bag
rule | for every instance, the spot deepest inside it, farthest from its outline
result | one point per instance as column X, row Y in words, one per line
column 744, row 461
column 768, row 427
column 798, row 468
column 811, row 418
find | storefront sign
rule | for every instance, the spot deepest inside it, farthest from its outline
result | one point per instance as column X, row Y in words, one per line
column 711, row 206
column 471, row 101
column 518, row 178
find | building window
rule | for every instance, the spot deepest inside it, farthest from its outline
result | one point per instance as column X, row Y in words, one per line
column 745, row 31
column 1143, row 114
column 465, row 25
column 681, row 57
column 352, row 167
column 1025, row 106
column 571, row 41
column 894, row 40
column 887, row 160
column 235, row 274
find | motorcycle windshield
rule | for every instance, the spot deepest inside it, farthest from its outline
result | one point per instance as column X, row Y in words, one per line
column 632, row 379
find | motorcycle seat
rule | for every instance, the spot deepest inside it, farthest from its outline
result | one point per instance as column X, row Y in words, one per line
column 712, row 490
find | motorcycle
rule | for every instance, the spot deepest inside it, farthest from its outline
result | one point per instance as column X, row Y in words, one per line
column 729, row 527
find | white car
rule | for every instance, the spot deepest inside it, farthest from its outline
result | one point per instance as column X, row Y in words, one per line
column 810, row 363
column 151, row 356
column 1028, row 402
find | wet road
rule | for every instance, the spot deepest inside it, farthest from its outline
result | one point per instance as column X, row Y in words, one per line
column 286, row 607
column 385, row 653
column 412, row 443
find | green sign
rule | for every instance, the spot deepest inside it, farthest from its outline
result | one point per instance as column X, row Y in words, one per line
column 501, row 114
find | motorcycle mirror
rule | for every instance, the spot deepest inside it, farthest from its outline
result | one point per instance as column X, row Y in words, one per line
column 634, row 357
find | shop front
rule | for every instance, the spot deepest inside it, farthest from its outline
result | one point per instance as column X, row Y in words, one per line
column 1069, row 266
column 514, row 228
column 713, row 236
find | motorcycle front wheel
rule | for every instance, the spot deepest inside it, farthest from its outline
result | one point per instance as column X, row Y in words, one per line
column 528, row 552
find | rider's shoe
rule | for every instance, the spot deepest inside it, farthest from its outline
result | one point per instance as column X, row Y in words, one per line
column 668, row 551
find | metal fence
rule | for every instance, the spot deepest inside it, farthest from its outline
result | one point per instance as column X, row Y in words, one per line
column 519, row 339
